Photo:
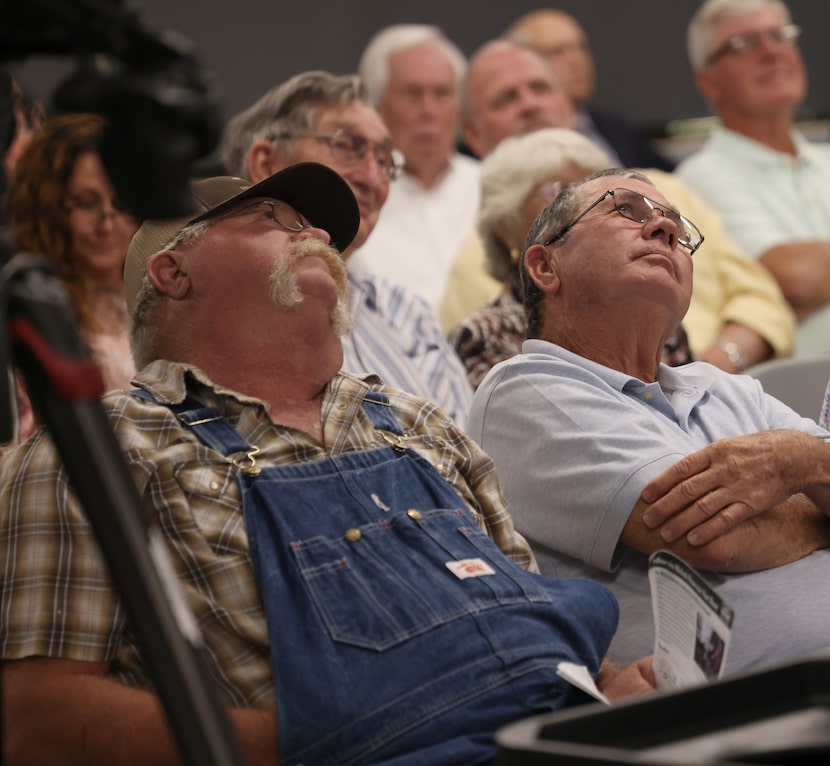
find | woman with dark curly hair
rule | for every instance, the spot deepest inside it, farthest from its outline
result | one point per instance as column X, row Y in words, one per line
column 61, row 204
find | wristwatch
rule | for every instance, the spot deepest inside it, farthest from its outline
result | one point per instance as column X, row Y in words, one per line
column 734, row 354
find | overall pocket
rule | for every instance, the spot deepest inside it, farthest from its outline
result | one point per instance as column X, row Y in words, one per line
column 385, row 582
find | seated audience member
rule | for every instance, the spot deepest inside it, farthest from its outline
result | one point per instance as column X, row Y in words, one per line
column 605, row 455
column 762, row 175
column 21, row 117
column 326, row 118
column 737, row 317
column 413, row 75
column 62, row 205
column 366, row 537
column 519, row 179
column 559, row 37
column 508, row 90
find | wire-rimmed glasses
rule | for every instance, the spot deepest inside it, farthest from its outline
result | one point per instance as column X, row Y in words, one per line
column 742, row 44
column 280, row 212
column 639, row 208
column 348, row 148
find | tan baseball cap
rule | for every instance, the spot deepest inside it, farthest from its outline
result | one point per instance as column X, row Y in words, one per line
column 314, row 190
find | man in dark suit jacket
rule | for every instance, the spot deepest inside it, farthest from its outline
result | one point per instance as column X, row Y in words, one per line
column 560, row 39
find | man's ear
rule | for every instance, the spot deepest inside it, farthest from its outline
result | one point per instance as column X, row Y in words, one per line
column 262, row 160
column 542, row 269
column 167, row 274
column 708, row 86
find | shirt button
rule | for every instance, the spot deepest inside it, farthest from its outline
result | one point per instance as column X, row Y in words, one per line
column 413, row 514
column 648, row 396
column 352, row 535
column 214, row 486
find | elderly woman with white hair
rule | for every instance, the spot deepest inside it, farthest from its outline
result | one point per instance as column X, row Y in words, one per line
column 518, row 180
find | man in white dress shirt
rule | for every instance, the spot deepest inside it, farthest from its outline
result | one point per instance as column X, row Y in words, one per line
column 413, row 76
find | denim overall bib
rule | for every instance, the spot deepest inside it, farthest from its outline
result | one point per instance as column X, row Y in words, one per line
column 399, row 633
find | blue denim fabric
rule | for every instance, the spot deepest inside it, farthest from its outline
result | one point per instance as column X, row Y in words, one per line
column 380, row 653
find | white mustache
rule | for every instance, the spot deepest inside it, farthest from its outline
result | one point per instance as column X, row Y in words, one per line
column 285, row 290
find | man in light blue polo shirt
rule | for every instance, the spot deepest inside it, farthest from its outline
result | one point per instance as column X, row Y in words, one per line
column 605, row 455
column 766, row 180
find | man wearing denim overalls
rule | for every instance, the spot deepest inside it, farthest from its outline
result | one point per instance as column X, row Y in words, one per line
column 345, row 549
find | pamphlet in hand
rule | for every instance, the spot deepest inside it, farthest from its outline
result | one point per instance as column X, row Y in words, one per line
column 692, row 624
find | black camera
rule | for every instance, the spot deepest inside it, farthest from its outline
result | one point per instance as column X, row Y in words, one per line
column 161, row 110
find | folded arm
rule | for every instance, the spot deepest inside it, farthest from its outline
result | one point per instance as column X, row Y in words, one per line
column 769, row 490
column 752, row 346
column 802, row 269
column 786, row 533
column 70, row 712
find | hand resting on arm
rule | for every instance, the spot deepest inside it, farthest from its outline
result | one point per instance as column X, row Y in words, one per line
column 770, row 490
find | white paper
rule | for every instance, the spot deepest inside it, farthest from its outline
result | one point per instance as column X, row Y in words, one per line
column 579, row 676
column 692, row 624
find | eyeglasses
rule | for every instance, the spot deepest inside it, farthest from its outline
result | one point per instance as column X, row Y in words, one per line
column 640, row 209
column 349, row 148
column 743, row 44
column 278, row 211
column 92, row 211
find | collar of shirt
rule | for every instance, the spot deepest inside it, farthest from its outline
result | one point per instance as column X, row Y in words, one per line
column 746, row 149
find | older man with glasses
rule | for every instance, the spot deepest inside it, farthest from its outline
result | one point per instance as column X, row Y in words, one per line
column 320, row 117
column 606, row 455
column 768, row 182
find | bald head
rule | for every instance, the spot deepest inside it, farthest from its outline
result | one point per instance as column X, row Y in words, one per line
column 510, row 90
column 559, row 38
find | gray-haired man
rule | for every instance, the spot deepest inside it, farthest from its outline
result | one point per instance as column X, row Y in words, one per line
column 320, row 117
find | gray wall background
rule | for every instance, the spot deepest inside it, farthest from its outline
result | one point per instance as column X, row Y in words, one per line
column 639, row 45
